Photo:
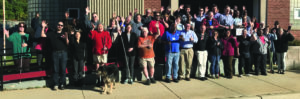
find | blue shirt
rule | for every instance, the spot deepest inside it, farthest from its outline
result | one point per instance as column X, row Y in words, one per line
column 174, row 39
column 217, row 16
column 187, row 35
column 271, row 38
column 226, row 20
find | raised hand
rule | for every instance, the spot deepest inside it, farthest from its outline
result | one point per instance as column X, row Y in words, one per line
column 123, row 19
column 157, row 25
column 135, row 10
column 181, row 6
column 44, row 24
column 162, row 9
column 87, row 10
column 24, row 45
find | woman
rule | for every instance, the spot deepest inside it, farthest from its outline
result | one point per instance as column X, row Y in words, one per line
column 215, row 51
column 78, row 50
column 113, row 31
column 271, row 49
column 244, row 58
column 167, row 22
column 259, row 49
column 128, row 41
column 230, row 43
column 281, row 47
column 237, row 19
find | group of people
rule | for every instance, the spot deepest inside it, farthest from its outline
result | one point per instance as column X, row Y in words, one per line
column 158, row 37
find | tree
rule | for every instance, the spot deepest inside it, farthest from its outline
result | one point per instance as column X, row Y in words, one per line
column 15, row 9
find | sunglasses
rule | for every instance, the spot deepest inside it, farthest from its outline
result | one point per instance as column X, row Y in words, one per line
column 21, row 26
column 60, row 25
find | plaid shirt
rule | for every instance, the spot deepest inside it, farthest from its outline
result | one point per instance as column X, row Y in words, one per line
column 215, row 22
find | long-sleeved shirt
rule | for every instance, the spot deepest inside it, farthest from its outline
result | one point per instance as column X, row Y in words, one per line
column 187, row 35
column 136, row 28
column 229, row 45
column 272, row 37
column 100, row 39
column 201, row 45
column 17, row 40
column 174, row 39
column 153, row 29
column 88, row 23
column 281, row 44
column 226, row 20
column 217, row 16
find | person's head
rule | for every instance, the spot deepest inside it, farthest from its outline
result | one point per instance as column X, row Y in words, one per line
column 100, row 27
column 281, row 31
column 112, row 22
column 95, row 17
column 267, row 30
column 215, row 33
column 67, row 14
column 211, row 15
column 201, row 11
column 128, row 20
column 227, row 9
column 178, row 19
column 236, row 7
column 190, row 18
column 118, row 18
column 231, row 12
column 188, row 8
column 228, row 33
column 188, row 26
column 157, row 16
column 245, row 13
column 253, row 19
column 245, row 32
column 78, row 34
column 236, row 14
column 203, row 28
column 145, row 31
column 60, row 26
column 173, row 28
column 260, row 32
column 166, row 17
column 148, row 12
column 244, row 18
column 276, row 24
column 215, row 8
column 37, row 14
column 138, row 18
column 128, row 28
column 21, row 27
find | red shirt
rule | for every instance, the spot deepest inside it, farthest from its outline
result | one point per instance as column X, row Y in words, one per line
column 153, row 29
column 99, row 41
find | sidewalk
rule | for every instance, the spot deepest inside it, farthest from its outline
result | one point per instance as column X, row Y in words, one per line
column 273, row 86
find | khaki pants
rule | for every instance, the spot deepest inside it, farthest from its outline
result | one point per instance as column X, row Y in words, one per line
column 202, row 60
column 186, row 59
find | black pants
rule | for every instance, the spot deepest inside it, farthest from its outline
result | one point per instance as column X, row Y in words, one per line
column 244, row 62
column 78, row 69
column 227, row 60
column 130, row 69
column 260, row 63
column 22, row 64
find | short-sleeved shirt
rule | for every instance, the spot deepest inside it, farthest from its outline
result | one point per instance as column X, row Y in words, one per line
column 174, row 39
column 17, row 39
column 146, row 52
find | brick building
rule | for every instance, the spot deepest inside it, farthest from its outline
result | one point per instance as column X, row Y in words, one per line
column 267, row 11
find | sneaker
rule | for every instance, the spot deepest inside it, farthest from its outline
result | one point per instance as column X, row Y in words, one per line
column 175, row 80
column 55, row 88
column 153, row 80
column 148, row 82
column 130, row 81
column 125, row 81
column 240, row 75
column 272, row 71
column 248, row 75
column 213, row 76
column 187, row 79
column 167, row 80
column 264, row 74
column 202, row 78
column 62, row 87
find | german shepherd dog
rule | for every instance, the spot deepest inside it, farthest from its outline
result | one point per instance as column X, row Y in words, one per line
column 107, row 74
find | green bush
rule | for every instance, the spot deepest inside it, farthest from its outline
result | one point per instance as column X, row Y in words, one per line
column 294, row 43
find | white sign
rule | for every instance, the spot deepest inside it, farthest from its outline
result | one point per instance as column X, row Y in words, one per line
column 239, row 31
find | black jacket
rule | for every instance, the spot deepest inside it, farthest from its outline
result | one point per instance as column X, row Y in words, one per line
column 201, row 45
column 281, row 44
column 131, row 44
column 213, row 48
column 78, row 50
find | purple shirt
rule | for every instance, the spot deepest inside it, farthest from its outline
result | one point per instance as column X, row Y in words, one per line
column 229, row 45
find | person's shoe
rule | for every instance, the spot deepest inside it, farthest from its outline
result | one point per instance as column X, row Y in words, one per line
column 201, row 78
column 217, row 76
column 248, row 75
column 130, row 81
column 272, row 71
column 187, row 79
column 125, row 81
column 204, row 78
column 176, row 80
column 179, row 78
column 62, row 87
column 282, row 72
column 148, row 82
column 264, row 74
column 55, row 88
column 229, row 77
column 240, row 75
column 152, row 80
column 167, row 80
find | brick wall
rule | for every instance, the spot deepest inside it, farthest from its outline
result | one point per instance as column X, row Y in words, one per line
column 152, row 4
column 280, row 10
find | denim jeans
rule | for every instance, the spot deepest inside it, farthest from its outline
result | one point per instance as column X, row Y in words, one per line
column 172, row 63
column 60, row 62
column 215, row 59
column 78, row 69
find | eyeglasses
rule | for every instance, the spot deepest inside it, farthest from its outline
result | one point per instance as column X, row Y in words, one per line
column 94, row 16
column 21, row 26
column 59, row 25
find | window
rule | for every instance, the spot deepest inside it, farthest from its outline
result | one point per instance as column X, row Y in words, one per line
column 74, row 13
column 296, row 13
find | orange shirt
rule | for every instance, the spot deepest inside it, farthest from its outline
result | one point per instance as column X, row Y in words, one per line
column 146, row 52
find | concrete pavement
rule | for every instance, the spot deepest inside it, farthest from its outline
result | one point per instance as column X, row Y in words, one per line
column 273, row 86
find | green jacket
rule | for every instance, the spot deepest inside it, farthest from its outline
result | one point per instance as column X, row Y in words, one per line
column 17, row 41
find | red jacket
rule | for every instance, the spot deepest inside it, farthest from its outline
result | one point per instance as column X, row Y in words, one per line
column 100, row 39
column 153, row 29
column 229, row 45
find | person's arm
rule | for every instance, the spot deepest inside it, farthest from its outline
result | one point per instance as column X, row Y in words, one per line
column 91, row 35
column 6, row 32
column 195, row 38
column 158, row 31
column 290, row 37
column 109, row 41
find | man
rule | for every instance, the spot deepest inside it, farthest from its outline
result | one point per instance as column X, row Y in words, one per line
column 101, row 44
column 217, row 15
column 35, row 21
column 172, row 52
column 152, row 27
column 201, row 52
column 59, row 42
column 186, row 52
column 226, row 20
column 146, row 53
column 91, row 24
column 67, row 22
column 210, row 22
column 184, row 14
column 137, row 25
column 198, row 19
column 146, row 19
column 21, row 51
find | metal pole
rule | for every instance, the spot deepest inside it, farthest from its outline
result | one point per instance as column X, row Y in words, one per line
column 126, row 60
column 4, row 46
